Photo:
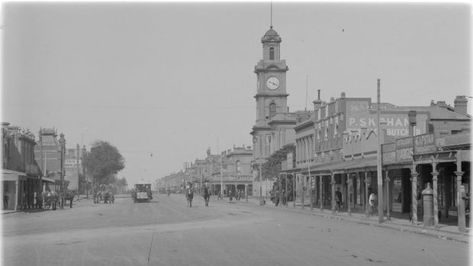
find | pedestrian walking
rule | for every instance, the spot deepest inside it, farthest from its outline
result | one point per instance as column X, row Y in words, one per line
column 372, row 203
column 189, row 195
column 276, row 198
column 338, row 200
column 206, row 196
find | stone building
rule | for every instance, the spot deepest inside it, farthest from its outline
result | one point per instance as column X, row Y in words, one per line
column 48, row 153
column 236, row 170
column 229, row 171
column 273, row 128
column 21, row 176
column 337, row 149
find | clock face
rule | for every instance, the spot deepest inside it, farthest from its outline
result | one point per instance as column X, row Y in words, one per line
column 272, row 83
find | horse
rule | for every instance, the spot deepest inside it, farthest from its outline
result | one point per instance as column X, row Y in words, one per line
column 69, row 196
column 189, row 196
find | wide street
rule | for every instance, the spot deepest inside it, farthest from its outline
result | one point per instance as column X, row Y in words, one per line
column 166, row 232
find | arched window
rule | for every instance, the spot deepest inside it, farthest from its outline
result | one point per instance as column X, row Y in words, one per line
column 271, row 53
column 272, row 109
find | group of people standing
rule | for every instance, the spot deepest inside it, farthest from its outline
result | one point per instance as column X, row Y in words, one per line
column 372, row 202
column 189, row 192
column 190, row 195
column 276, row 197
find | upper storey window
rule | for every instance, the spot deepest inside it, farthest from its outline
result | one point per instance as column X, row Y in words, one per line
column 271, row 53
column 272, row 109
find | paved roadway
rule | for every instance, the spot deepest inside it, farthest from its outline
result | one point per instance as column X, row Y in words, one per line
column 166, row 232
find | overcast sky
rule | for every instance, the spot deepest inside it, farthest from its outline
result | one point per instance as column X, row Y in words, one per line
column 163, row 82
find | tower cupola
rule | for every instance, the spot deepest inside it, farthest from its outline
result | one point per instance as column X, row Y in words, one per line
column 271, row 36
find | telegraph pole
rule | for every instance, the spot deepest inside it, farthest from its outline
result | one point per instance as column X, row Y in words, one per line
column 78, row 168
column 379, row 172
column 260, row 186
column 62, row 142
column 84, row 173
column 221, row 176
column 41, row 151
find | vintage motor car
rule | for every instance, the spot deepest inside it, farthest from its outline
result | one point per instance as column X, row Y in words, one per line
column 142, row 192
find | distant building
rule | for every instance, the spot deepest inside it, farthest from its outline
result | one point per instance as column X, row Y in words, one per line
column 236, row 169
column 48, row 153
column 231, row 168
column 73, row 167
column 21, row 176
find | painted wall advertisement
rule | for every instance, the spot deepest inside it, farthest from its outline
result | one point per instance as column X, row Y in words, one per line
column 396, row 123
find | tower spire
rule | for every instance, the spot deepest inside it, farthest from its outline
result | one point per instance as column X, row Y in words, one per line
column 271, row 15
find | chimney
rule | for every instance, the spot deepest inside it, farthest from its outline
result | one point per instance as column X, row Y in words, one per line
column 461, row 105
column 412, row 116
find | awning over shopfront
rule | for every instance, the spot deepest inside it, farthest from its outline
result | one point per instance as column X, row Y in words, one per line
column 342, row 167
column 11, row 175
column 48, row 180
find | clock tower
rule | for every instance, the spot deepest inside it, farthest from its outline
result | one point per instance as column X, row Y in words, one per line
column 271, row 98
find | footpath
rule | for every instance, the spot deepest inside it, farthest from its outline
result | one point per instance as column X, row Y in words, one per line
column 80, row 202
column 442, row 231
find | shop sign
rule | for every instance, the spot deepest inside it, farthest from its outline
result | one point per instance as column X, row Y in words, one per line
column 404, row 149
column 404, row 154
column 425, row 143
column 389, row 153
column 389, row 157
column 70, row 162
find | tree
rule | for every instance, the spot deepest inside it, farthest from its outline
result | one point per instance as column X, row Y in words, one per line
column 272, row 166
column 121, row 182
column 103, row 162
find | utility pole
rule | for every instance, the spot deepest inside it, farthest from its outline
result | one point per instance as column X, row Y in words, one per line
column 62, row 143
column 221, row 176
column 260, row 185
column 379, row 172
column 78, row 167
column 310, row 178
column 41, row 151
column 84, row 173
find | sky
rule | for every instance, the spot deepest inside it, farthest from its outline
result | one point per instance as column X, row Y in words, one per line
column 165, row 81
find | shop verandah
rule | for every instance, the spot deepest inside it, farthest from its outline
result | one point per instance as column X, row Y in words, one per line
column 355, row 180
column 20, row 191
column 402, row 187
